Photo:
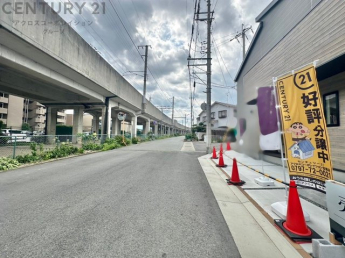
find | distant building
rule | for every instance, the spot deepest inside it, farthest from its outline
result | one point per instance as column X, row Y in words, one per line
column 223, row 117
column 11, row 110
column 14, row 111
column 87, row 121
column 34, row 114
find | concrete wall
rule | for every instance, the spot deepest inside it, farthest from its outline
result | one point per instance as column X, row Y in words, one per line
column 319, row 36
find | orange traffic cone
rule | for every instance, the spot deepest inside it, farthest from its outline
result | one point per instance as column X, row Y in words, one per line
column 228, row 147
column 235, row 177
column 221, row 161
column 221, row 148
column 295, row 221
column 214, row 155
column 294, row 225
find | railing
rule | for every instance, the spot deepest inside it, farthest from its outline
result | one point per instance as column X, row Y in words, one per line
column 12, row 146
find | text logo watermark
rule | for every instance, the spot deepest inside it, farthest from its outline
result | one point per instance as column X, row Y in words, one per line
column 56, row 7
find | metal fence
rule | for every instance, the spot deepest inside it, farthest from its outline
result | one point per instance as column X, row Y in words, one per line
column 12, row 146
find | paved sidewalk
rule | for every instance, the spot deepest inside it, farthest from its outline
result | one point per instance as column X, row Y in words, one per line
column 247, row 210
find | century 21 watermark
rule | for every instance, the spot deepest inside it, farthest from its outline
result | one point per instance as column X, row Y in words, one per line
column 60, row 8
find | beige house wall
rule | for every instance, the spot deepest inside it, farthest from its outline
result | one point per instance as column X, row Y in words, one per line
column 319, row 36
column 337, row 133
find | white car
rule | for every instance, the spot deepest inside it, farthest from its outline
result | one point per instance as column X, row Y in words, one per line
column 16, row 135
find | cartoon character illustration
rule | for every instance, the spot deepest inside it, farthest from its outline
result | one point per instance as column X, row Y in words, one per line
column 302, row 148
column 299, row 132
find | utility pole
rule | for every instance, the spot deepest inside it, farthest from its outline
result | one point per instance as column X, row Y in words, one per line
column 173, row 107
column 243, row 41
column 143, row 107
column 191, row 109
column 243, row 35
column 208, row 64
column 208, row 126
column 185, row 122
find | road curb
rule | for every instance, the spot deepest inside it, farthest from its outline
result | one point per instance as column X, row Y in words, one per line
column 238, row 208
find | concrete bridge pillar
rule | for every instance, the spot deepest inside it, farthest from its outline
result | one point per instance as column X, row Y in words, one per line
column 156, row 129
column 115, row 127
column 134, row 126
column 147, row 127
column 77, row 123
column 108, row 124
column 51, row 124
column 95, row 124
column 168, row 131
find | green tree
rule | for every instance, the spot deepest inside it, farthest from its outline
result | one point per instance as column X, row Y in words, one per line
column 201, row 127
column 26, row 127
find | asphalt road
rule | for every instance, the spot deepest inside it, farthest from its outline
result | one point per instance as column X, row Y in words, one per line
column 148, row 200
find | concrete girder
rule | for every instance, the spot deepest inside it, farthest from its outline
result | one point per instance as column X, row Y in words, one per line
column 28, row 88
column 24, row 65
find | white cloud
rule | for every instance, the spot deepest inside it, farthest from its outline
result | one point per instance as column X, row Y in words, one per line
column 166, row 26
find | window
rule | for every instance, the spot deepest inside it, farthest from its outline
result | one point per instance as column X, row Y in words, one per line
column 222, row 114
column 212, row 115
column 331, row 108
column 204, row 118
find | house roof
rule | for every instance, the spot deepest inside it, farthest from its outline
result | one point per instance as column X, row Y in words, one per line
column 305, row 146
column 219, row 103
column 257, row 32
column 266, row 10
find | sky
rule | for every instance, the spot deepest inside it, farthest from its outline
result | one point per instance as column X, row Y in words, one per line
column 166, row 25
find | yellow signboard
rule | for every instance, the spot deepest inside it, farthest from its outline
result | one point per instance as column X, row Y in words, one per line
column 306, row 142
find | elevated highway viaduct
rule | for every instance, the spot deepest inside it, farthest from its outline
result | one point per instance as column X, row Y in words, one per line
column 42, row 58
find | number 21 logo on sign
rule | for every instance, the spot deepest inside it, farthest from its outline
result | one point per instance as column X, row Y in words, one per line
column 303, row 80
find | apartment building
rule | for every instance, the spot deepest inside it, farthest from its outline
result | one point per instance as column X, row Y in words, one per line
column 34, row 113
column 14, row 111
column 11, row 110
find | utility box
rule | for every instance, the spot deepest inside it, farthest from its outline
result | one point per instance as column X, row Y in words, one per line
column 335, row 196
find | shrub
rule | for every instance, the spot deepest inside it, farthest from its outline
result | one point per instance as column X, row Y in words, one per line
column 191, row 137
column 8, row 163
column 135, row 140
column 150, row 136
column 27, row 158
column 110, row 146
column 92, row 146
column 119, row 140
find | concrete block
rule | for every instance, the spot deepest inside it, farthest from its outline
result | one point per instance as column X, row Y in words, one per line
column 280, row 208
column 264, row 181
column 324, row 249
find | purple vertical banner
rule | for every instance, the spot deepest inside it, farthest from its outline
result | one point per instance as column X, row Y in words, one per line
column 267, row 110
